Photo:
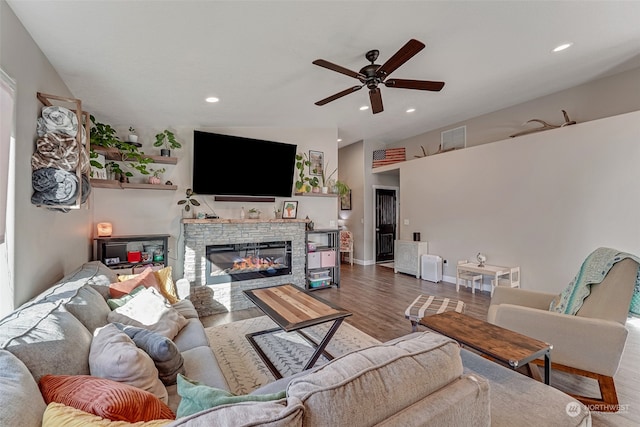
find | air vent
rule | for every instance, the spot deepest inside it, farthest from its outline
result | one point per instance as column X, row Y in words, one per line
column 454, row 138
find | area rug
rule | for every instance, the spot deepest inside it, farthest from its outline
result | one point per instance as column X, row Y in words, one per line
column 245, row 371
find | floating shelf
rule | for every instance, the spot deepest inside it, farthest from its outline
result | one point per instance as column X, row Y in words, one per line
column 109, row 183
column 317, row 194
column 112, row 153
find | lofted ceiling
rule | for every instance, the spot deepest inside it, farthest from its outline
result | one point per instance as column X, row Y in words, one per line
column 152, row 63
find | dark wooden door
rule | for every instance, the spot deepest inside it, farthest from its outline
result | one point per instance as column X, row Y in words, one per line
column 385, row 224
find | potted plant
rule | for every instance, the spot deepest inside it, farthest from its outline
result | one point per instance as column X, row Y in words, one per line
column 341, row 188
column 277, row 213
column 302, row 161
column 254, row 213
column 104, row 135
column 156, row 177
column 188, row 202
column 326, row 179
column 315, row 184
column 132, row 138
column 168, row 139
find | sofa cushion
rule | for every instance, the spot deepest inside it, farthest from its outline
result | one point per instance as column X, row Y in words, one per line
column 196, row 397
column 506, row 411
column 99, row 396
column 191, row 336
column 20, row 400
column 161, row 349
column 43, row 343
column 59, row 415
column 89, row 307
column 148, row 309
column 412, row 368
column 116, row 357
column 186, row 308
column 281, row 413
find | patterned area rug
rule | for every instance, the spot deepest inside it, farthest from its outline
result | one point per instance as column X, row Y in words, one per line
column 245, row 371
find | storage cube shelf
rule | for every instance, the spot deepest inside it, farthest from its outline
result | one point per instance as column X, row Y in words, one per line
column 322, row 269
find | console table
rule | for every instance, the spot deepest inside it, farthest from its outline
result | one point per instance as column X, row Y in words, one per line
column 406, row 256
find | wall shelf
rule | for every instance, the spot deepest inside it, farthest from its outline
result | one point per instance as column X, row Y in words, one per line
column 112, row 153
column 317, row 194
column 112, row 184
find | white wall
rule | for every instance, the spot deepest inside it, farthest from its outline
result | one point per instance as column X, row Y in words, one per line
column 47, row 244
column 157, row 212
column 542, row 201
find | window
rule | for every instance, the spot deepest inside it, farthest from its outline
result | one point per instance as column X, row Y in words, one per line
column 7, row 138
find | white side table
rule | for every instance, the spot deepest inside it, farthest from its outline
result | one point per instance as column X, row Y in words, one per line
column 407, row 256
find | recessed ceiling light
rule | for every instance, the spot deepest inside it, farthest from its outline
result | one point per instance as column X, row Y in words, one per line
column 212, row 99
column 563, row 47
column 339, row 139
column 411, row 110
column 364, row 107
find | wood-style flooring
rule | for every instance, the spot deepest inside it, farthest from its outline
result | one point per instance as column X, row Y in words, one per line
column 378, row 297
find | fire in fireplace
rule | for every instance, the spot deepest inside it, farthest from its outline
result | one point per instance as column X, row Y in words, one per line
column 247, row 261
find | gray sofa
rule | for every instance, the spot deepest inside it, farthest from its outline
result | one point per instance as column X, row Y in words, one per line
column 420, row 379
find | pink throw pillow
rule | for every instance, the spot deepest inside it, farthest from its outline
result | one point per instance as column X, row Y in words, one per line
column 146, row 279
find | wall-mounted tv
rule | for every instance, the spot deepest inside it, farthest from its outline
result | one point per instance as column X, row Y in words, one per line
column 236, row 166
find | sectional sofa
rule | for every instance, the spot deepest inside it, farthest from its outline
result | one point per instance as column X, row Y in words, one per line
column 59, row 339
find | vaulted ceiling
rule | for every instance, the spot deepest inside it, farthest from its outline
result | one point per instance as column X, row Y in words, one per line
column 153, row 63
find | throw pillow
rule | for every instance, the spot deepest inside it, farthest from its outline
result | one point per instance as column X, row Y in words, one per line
column 89, row 307
column 164, row 283
column 21, row 403
column 114, row 303
column 103, row 397
column 162, row 350
column 150, row 310
column 59, row 415
column 146, row 279
column 115, row 356
column 196, row 397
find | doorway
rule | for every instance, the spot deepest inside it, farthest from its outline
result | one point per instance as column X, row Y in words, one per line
column 386, row 222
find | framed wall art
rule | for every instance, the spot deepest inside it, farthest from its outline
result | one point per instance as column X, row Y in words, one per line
column 345, row 201
column 289, row 209
column 316, row 162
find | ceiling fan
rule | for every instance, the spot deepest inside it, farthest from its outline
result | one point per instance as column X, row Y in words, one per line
column 373, row 74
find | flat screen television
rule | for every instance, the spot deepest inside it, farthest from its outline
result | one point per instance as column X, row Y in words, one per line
column 237, row 166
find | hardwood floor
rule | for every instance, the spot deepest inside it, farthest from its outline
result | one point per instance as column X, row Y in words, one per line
column 378, row 297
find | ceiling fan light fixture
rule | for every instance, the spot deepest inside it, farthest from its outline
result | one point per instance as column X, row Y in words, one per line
column 212, row 99
column 562, row 47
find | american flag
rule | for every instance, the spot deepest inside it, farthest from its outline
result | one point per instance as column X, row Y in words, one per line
column 388, row 156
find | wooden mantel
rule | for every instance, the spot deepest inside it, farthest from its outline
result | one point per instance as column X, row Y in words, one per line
column 239, row 221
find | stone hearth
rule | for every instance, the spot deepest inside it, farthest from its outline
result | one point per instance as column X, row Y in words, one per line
column 224, row 297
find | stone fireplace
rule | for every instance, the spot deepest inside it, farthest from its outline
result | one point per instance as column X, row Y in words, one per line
column 265, row 253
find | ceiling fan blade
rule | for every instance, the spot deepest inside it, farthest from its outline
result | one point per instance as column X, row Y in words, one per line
column 414, row 84
column 405, row 53
column 338, row 68
column 376, row 100
column 338, row 95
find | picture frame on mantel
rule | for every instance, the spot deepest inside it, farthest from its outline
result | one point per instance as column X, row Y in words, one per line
column 316, row 162
column 289, row 209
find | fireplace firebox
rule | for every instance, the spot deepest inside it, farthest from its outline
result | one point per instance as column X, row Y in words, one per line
column 247, row 261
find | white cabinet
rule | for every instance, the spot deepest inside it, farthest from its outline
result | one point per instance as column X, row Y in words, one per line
column 407, row 256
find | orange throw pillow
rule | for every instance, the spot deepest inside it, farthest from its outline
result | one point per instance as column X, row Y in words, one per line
column 103, row 397
column 146, row 279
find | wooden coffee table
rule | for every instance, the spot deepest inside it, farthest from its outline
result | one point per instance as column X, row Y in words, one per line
column 294, row 309
column 507, row 347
